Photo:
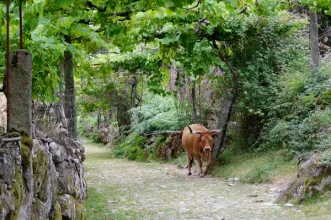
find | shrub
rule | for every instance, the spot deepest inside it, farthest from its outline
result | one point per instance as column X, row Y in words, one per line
column 132, row 147
column 301, row 117
column 154, row 149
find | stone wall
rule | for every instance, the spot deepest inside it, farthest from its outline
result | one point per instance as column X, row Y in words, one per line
column 41, row 178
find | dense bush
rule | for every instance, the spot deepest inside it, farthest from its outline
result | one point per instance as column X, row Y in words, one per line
column 300, row 118
column 132, row 147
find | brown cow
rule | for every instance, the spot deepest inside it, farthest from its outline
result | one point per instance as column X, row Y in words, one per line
column 197, row 142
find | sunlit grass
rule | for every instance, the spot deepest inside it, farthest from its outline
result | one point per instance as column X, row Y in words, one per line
column 262, row 167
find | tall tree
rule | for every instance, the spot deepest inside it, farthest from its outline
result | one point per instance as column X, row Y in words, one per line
column 69, row 94
column 61, row 112
column 194, row 103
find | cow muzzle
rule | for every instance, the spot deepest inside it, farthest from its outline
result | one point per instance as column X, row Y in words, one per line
column 207, row 149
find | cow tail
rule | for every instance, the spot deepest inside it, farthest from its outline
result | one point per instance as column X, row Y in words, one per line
column 190, row 129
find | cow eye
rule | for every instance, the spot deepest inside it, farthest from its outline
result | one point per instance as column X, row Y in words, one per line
column 211, row 139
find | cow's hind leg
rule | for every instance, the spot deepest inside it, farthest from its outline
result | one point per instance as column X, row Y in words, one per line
column 189, row 164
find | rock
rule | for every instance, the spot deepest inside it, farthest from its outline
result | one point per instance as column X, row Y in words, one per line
column 65, row 181
column 38, row 210
column 59, row 155
column 45, row 188
column 252, row 195
column 76, row 161
column 233, row 180
column 68, row 206
column 314, row 177
column 25, row 210
column 53, row 147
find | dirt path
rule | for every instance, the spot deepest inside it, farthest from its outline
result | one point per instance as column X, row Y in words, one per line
column 131, row 190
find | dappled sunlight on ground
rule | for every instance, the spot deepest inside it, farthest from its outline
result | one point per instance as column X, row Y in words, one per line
column 133, row 190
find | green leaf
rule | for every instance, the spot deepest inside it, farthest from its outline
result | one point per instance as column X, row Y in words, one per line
column 65, row 22
column 64, row 3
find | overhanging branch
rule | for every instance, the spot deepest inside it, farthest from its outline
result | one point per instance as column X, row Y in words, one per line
column 195, row 6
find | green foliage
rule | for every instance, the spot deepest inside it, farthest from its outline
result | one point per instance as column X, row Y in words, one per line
column 87, row 125
column 159, row 114
column 51, row 27
column 299, row 117
column 326, row 157
column 154, row 149
column 135, row 153
column 319, row 5
column 132, row 148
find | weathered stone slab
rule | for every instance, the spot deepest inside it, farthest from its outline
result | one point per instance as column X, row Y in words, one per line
column 20, row 91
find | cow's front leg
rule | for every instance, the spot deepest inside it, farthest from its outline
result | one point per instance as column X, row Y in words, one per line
column 208, row 163
column 189, row 164
column 200, row 166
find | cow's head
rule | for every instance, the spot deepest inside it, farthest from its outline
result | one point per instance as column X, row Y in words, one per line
column 205, row 139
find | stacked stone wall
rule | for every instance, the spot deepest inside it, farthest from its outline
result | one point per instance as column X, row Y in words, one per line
column 41, row 179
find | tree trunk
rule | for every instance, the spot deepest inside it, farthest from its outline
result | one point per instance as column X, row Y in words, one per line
column 314, row 47
column 219, row 145
column 134, row 92
column 69, row 94
column 224, row 119
column 123, row 106
column 99, row 119
column 61, row 98
column 105, row 120
column 194, row 104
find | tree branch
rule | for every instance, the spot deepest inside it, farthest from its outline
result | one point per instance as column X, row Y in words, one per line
column 233, row 71
column 91, row 5
column 193, row 7
column 325, row 34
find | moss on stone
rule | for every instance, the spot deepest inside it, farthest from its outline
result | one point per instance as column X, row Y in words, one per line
column 13, row 134
column 80, row 211
column 40, row 170
column 25, row 152
column 17, row 191
column 54, row 191
column 57, row 211
column 40, row 164
column 27, row 141
column 75, row 192
column 43, row 194
column 40, row 161
column 2, row 191
column 309, row 184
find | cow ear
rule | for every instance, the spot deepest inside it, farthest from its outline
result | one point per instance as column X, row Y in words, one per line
column 199, row 138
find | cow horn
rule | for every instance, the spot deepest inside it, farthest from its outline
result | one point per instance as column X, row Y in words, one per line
column 190, row 129
column 194, row 132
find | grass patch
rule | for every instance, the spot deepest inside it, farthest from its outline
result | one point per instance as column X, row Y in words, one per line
column 96, row 205
column 261, row 167
column 181, row 161
column 99, row 151
column 99, row 208
column 318, row 205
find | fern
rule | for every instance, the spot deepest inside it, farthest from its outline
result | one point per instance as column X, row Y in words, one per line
column 159, row 114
